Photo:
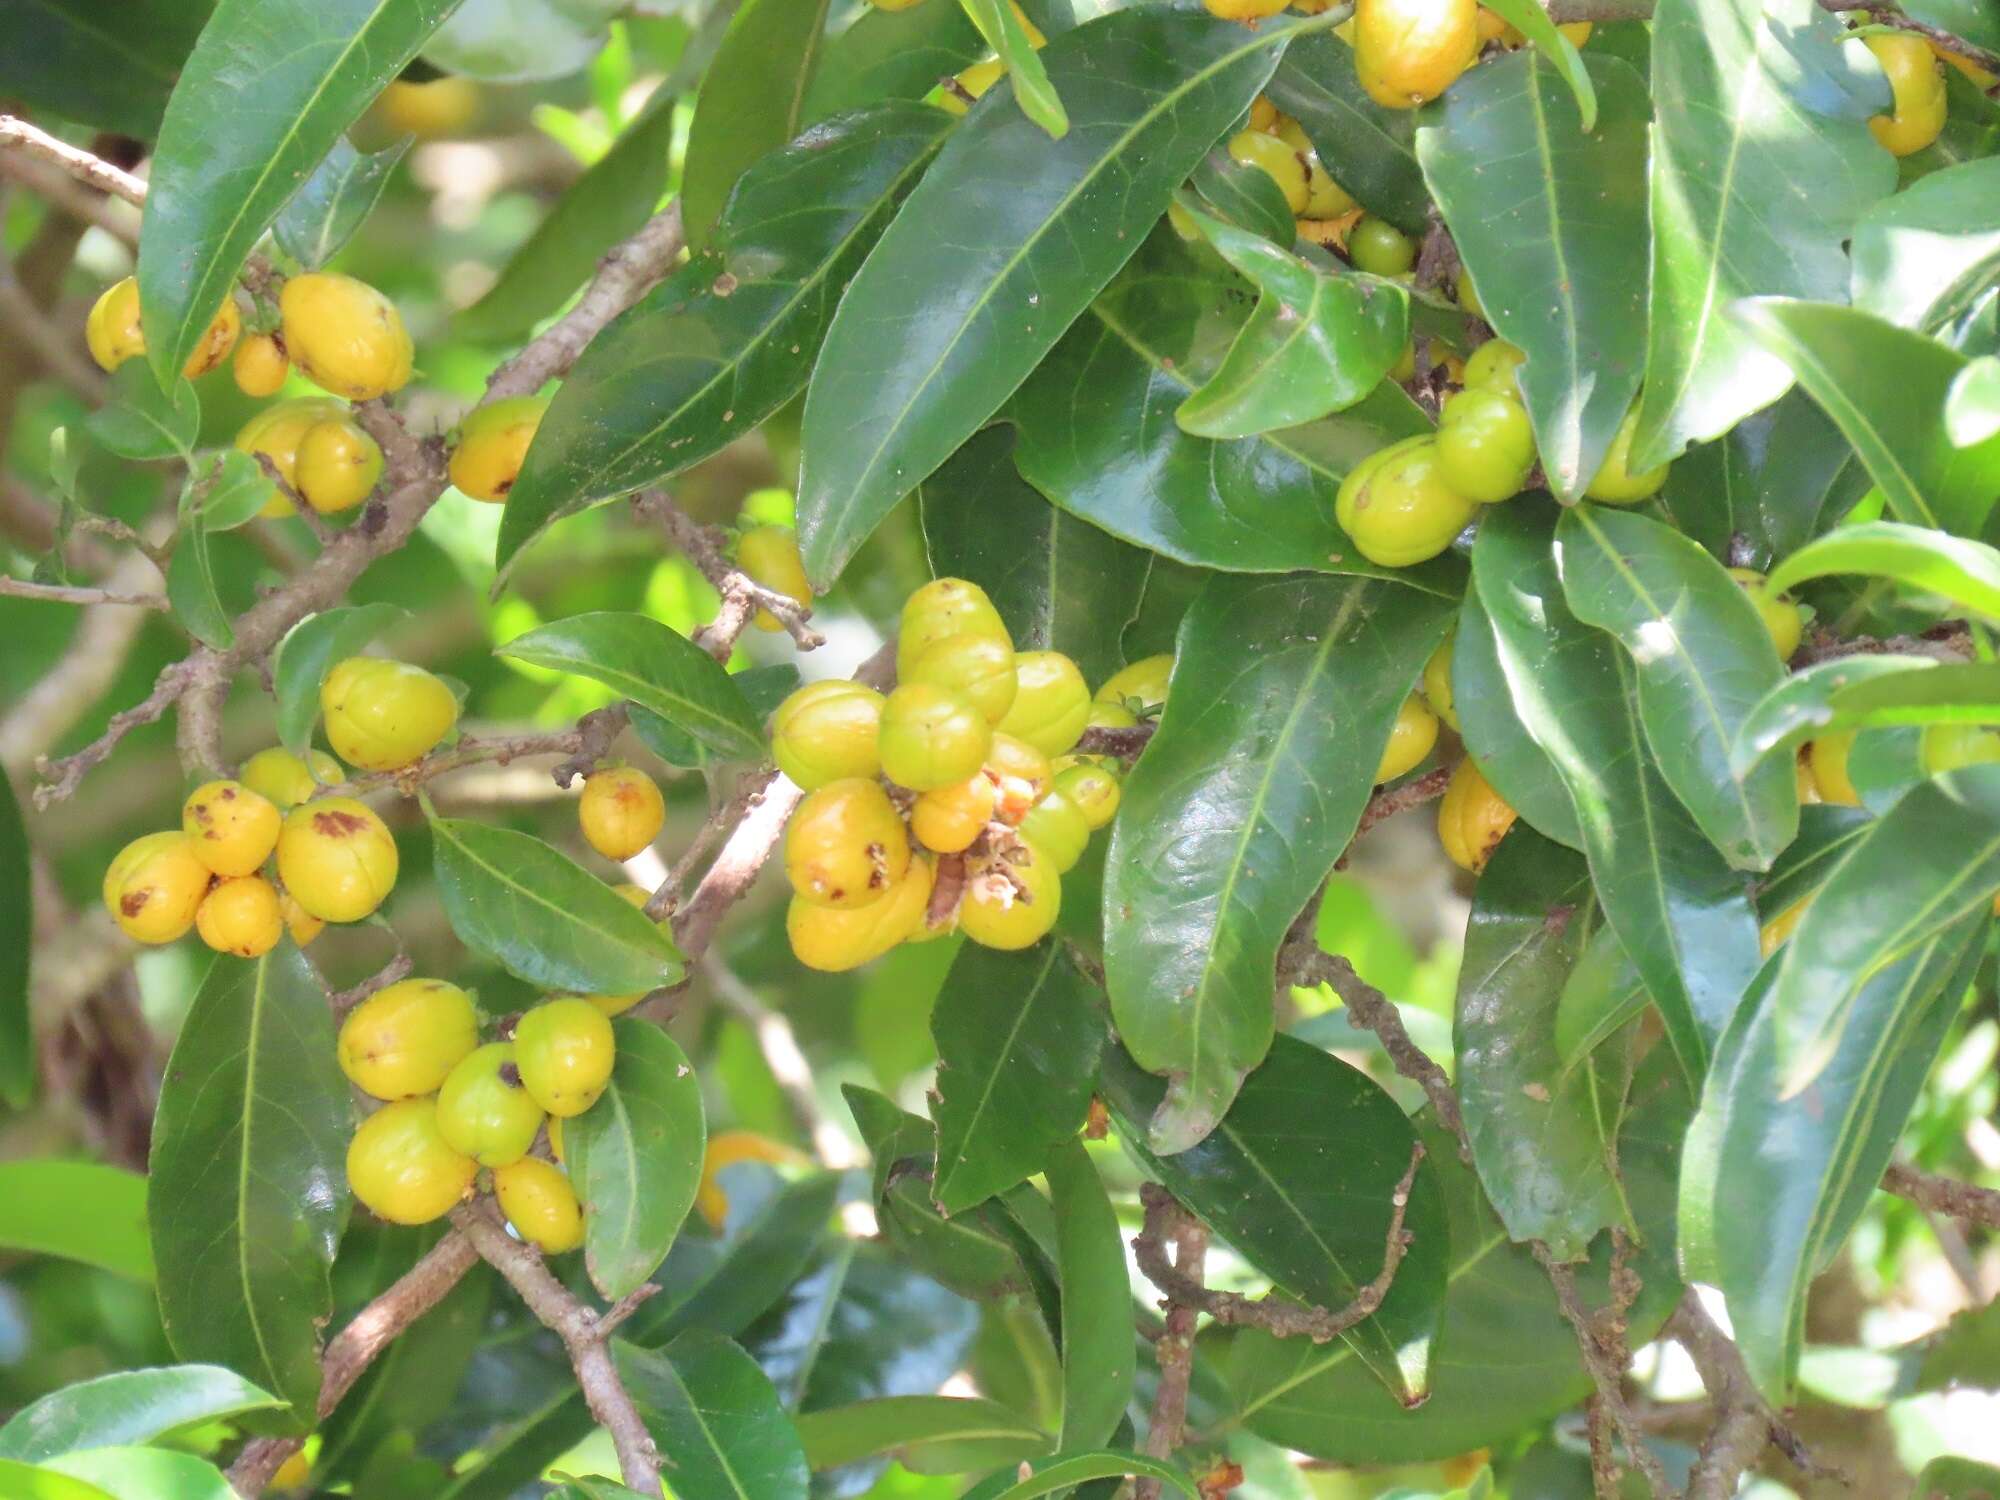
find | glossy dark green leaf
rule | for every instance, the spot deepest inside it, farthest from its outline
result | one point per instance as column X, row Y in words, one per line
column 656, row 667
column 332, row 203
column 1017, row 1039
column 1551, row 222
column 309, row 651
column 77, row 1210
column 1965, row 572
column 929, row 1434
column 127, row 1407
column 1600, row 995
column 134, row 1473
column 143, row 421
column 1245, row 195
column 111, row 69
column 1097, row 435
column 1532, row 21
column 925, row 347
column 270, row 86
column 544, row 917
column 1957, row 1479
column 1855, row 691
column 1027, row 78
column 752, row 101
column 1827, row 834
column 1702, row 658
column 1374, row 149
column 1097, row 1326
column 892, row 54
column 1543, row 1139
column 248, row 1177
column 716, row 1419
column 1679, row 910
column 1298, row 1178
column 1499, row 744
column 1924, row 255
column 635, row 1158
column 1739, row 126
column 764, row 688
column 729, row 338
column 17, row 907
column 1284, row 693
column 1060, row 1474
column 1886, row 388
column 1316, row 342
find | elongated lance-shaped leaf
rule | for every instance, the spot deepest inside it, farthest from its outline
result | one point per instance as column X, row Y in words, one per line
column 1682, row 914
column 248, row 1186
column 1499, row 744
column 1703, row 659
column 1762, row 164
column 77, row 1210
column 1375, row 149
column 1924, row 256
column 1284, row 693
column 1955, row 568
column 1859, row 692
column 1061, row 1474
column 1026, row 77
column 716, row 1419
column 1551, row 222
column 1886, row 388
column 1600, row 995
column 927, row 1434
column 1097, row 1326
column 1245, row 195
column 269, row 88
column 729, row 338
column 128, row 1406
column 926, row 346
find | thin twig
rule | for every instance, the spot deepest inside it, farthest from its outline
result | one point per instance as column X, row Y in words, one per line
column 63, row 593
column 1601, row 1342
column 60, row 777
column 742, row 595
column 1174, row 1352
column 69, row 196
column 1743, row 1425
column 396, row 969
column 1125, row 741
column 18, row 135
column 315, row 522
column 1944, row 1195
column 780, row 1046
column 1389, row 801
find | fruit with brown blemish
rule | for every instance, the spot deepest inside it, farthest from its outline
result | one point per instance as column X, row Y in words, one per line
column 155, row 885
column 1013, row 899
column 406, row 1038
column 621, row 811
column 846, row 845
column 345, row 336
column 835, row 941
column 564, row 1050
column 493, row 444
column 337, row 858
column 1472, row 818
column 483, row 1109
column 233, row 828
column 114, row 334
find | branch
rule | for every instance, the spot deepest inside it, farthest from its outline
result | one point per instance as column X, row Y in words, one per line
column 57, row 353
column 1174, row 1349
column 315, row 522
column 1944, row 1195
column 742, row 595
column 1125, row 742
column 63, row 593
column 1885, row 15
column 780, row 1046
column 1949, row 642
column 585, row 1334
column 18, row 135
column 1388, row 802
column 61, row 776
column 87, row 668
column 584, row 744
column 398, row 968
column 1600, row 1338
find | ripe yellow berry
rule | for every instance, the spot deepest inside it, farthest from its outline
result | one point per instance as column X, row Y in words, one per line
column 944, row 607
column 154, row 886
column 539, row 1202
column 1013, row 901
column 1916, row 84
column 770, row 555
column 1826, row 758
column 1771, row 936
column 402, row 1169
column 724, row 1150
column 381, row 715
column 241, row 916
column 1472, row 818
column 292, row 1473
column 1278, row 161
column 284, row 779
column 1051, row 702
column 484, row 1112
column 1437, row 684
column 260, row 365
column 276, row 433
column 114, row 334
column 1780, row 615
column 337, row 858
column 234, row 830
column 971, row 84
column 949, row 818
column 345, row 336
column 1140, row 686
column 564, row 1050
column 828, row 731
column 931, row 737
column 1411, row 738
column 442, row 106
column 1244, row 10
column 493, row 444
column 1615, row 483
column 406, row 1038
column 621, row 812
column 978, row 667
column 337, row 466
column 835, row 941
column 846, row 845
column 1410, row 51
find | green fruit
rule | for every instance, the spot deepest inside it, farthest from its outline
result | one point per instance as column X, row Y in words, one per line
column 826, row 732
column 1380, row 248
column 940, row 609
column 1485, row 445
column 931, row 737
column 980, row 668
column 1277, row 160
column 1056, row 826
column 1052, row 702
column 1781, row 617
column 564, row 1051
column 1397, row 507
column 1091, row 790
column 1437, row 684
column 483, row 1109
column 1615, row 483
column 1495, row 366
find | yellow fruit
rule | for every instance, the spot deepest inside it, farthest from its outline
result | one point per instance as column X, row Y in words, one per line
column 292, row 1473
column 978, row 667
column 1615, row 483
column 1472, row 818
column 846, row 845
column 402, row 1169
column 260, row 365
column 1325, row 198
column 484, row 1112
column 971, row 85
column 336, row 858
column 382, row 715
column 241, row 916
column 405, row 1039
column 1013, row 901
column 276, row 433
column 1034, row 32
column 1022, row 772
column 234, row 830
column 1278, row 161
column 337, row 466
column 1916, row 83
column 285, row 780
column 835, row 941
column 725, row 1149
column 1092, row 791
column 944, row 607
column 1051, row 702
column 300, row 923
column 949, row 818
column 1437, row 684
column 443, row 106
column 1781, row 617
column 114, row 333
column 1263, row 113
column 1411, row 738
column 828, row 731
column 1410, row 51
column 1244, row 10
column 1826, row 757
column 1774, row 932
column 493, row 444
column 894, row 4
column 539, row 1202
column 154, row 887
column 564, row 1050
column 770, row 555
column 1140, row 686
column 1981, row 79
column 1398, row 509
column 931, row 737
column 621, row 812
column 345, row 336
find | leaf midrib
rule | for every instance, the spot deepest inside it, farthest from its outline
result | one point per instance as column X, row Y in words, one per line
column 999, row 1062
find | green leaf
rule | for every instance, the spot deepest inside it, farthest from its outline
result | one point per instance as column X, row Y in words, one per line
column 1097, row 1326
column 1375, row 148
column 332, row 203
column 1972, row 409
column 1957, row 1479
column 144, row 422
column 1924, row 256
column 1545, row 1142
column 595, row 1487
column 1499, row 744
column 1298, row 1179
column 1702, row 658
column 310, row 650
column 145, row 1474
column 1679, row 910
column 968, row 1432
column 1528, row 18
column 728, row 339
column 1856, row 691
column 248, row 1176
column 17, row 910
column 1029, row 80
column 1739, row 123
column 1056, row 580
column 1284, row 693
column 79, row 1210
column 1097, row 435
column 1245, row 195
column 763, row 688
column 1017, row 1040
column 1551, row 222
column 1600, row 995
column 1886, row 388
column 129, row 1407
column 1316, row 342
column 925, row 347
column 111, row 69
column 1064, row 1471
column 656, row 667
column 519, row 41
column 230, row 492
column 716, row 1419
column 191, row 587
column 891, row 54
column 25, row 1482
column 269, row 88
column 544, row 917
column 635, row 1159
column 752, row 101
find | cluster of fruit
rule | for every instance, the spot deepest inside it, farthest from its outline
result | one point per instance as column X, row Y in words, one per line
column 949, row 802
column 452, row 1105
